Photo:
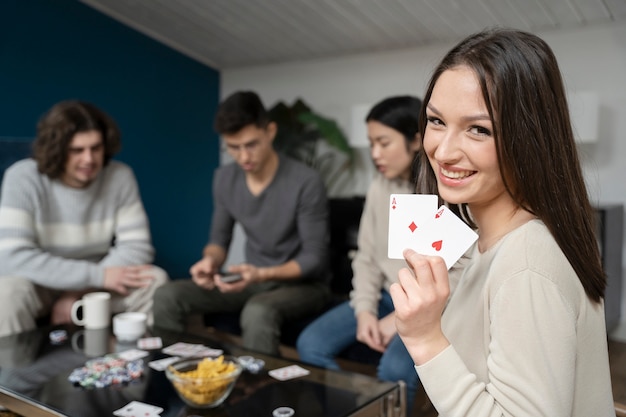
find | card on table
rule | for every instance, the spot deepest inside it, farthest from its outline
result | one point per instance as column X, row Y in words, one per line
column 161, row 364
column 191, row 349
column 207, row 351
column 150, row 343
column 445, row 235
column 138, row 409
column 182, row 349
column 407, row 215
column 288, row 372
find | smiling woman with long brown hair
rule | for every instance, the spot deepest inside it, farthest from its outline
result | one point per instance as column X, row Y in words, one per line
column 520, row 330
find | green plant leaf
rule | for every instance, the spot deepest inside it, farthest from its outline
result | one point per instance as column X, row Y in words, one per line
column 329, row 130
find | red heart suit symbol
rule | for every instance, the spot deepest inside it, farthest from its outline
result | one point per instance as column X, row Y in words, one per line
column 437, row 245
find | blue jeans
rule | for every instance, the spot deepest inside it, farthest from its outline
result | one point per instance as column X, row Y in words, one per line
column 321, row 341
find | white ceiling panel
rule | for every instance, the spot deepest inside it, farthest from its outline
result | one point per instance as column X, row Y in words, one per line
column 236, row 33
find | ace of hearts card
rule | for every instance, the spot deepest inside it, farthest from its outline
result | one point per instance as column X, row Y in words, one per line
column 445, row 235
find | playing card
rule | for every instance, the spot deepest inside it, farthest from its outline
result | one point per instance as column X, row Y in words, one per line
column 150, row 343
column 138, row 409
column 191, row 349
column 288, row 372
column 445, row 235
column 407, row 214
column 206, row 351
column 182, row 349
column 161, row 364
column 132, row 354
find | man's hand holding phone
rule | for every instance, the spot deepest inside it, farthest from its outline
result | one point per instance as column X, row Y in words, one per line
column 229, row 277
column 227, row 281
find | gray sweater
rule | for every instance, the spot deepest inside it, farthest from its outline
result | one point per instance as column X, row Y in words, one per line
column 287, row 221
column 526, row 340
column 63, row 237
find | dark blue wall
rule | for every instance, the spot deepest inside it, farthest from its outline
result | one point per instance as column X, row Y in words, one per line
column 163, row 102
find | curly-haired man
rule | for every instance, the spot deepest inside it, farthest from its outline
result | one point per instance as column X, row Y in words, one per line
column 72, row 221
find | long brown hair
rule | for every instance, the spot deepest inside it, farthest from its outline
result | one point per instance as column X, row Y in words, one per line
column 524, row 94
column 57, row 128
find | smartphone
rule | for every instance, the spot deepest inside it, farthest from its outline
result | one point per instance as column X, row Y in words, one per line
column 230, row 277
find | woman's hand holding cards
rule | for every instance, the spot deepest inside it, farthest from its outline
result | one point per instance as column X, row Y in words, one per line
column 419, row 298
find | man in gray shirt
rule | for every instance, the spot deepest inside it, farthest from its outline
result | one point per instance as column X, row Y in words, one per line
column 281, row 205
column 72, row 221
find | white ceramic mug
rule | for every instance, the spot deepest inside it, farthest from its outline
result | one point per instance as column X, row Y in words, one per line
column 129, row 326
column 91, row 342
column 96, row 310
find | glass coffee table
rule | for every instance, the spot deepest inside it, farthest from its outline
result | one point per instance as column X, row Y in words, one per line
column 34, row 382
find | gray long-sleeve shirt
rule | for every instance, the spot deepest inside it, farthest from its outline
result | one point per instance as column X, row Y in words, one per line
column 287, row 221
column 63, row 237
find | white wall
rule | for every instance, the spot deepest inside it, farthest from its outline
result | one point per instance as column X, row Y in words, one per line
column 591, row 59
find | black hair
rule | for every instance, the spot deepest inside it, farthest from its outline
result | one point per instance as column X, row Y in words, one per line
column 400, row 113
column 240, row 109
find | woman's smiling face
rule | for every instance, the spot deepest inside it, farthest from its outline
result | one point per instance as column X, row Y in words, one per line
column 459, row 141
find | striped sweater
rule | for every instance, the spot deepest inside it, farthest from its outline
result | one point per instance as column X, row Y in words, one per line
column 62, row 237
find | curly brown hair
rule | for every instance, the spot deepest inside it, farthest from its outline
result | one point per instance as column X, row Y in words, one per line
column 57, row 128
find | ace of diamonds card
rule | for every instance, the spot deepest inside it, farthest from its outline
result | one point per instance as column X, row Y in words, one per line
column 407, row 214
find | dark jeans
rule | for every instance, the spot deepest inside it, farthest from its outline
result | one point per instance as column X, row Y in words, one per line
column 263, row 308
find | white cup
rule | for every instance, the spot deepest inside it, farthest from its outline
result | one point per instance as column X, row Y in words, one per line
column 96, row 310
column 129, row 326
column 91, row 342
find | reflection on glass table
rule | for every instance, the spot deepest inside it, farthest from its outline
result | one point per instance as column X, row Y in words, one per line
column 34, row 381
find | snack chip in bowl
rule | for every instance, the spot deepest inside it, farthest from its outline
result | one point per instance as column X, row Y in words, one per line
column 204, row 382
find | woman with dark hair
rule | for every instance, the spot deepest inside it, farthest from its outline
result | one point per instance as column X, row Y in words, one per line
column 520, row 330
column 393, row 131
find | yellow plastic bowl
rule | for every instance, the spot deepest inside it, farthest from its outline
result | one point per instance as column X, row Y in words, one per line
column 204, row 382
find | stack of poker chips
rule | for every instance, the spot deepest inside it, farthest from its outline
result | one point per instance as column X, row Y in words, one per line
column 105, row 371
column 252, row 364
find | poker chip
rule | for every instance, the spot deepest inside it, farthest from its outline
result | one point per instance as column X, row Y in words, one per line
column 252, row 364
column 283, row 412
column 256, row 366
column 105, row 371
column 58, row 336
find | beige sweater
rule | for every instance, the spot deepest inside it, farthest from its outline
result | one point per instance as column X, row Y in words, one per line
column 372, row 269
column 525, row 339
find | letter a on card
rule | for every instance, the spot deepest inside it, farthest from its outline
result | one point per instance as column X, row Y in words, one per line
column 407, row 214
